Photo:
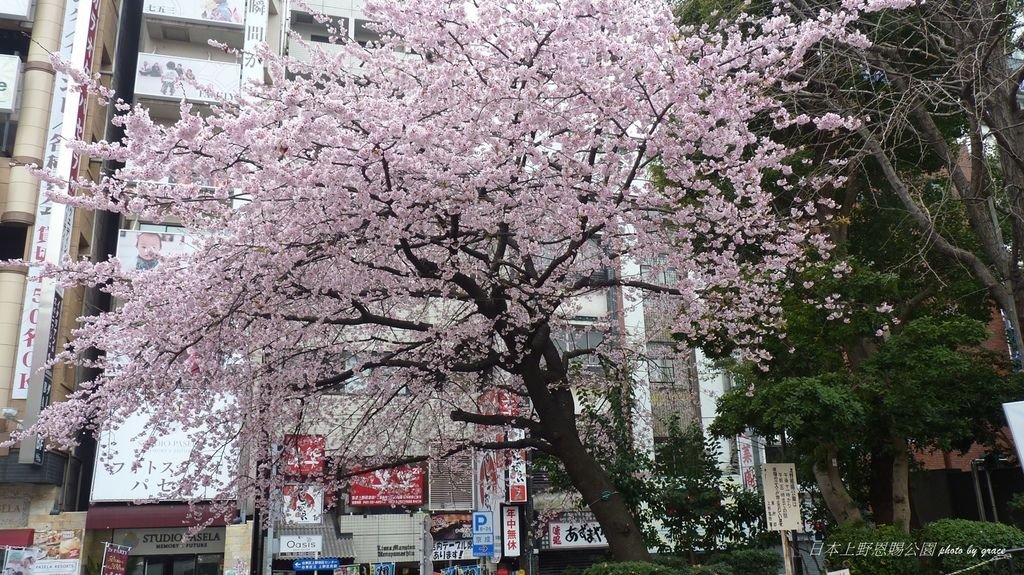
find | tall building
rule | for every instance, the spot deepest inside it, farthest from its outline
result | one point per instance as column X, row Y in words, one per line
column 43, row 492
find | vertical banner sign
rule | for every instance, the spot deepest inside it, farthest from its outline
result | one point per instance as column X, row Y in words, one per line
column 517, row 469
column 510, row 530
column 781, row 499
column 255, row 34
column 51, row 240
column 745, row 457
column 115, row 559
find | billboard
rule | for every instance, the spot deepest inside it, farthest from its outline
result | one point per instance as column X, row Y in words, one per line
column 60, row 552
column 142, row 250
column 218, row 11
column 303, row 503
column 303, row 455
column 402, row 485
column 174, row 77
column 121, row 476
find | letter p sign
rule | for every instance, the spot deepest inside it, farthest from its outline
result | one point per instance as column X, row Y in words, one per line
column 482, row 522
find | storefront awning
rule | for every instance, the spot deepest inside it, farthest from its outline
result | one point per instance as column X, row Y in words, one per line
column 16, row 537
column 335, row 544
column 148, row 516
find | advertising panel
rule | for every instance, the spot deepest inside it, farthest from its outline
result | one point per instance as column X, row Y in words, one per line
column 303, row 456
column 20, row 561
column 142, row 250
column 220, row 11
column 115, row 559
column 155, row 478
column 10, row 73
column 402, row 485
column 60, row 552
column 303, row 503
column 171, row 77
column 450, row 526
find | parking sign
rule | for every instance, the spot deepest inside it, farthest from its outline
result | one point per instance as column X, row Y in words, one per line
column 483, row 534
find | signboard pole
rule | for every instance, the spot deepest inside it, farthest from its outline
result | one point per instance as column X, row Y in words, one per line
column 787, row 555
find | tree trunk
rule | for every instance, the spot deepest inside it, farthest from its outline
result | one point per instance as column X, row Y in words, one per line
column 881, row 486
column 838, row 500
column 901, row 484
column 556, row 412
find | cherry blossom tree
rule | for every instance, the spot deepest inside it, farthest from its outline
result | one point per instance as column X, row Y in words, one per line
column 384, row 233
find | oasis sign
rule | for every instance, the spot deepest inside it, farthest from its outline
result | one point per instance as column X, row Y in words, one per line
column 302, row 543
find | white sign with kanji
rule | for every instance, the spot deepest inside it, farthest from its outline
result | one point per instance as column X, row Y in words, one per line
column 510, row 530
column 781, row 496
column 575, row 535
column 745, row 456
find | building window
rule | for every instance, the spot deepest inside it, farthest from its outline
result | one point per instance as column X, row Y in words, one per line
column 662, row 370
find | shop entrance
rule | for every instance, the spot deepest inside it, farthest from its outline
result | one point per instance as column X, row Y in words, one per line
column 179, row 565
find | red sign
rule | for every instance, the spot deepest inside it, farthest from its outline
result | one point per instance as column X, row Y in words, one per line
column 303, row 455
column 402, row 485
column 115, row 559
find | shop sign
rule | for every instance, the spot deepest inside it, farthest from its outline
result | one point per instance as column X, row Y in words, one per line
column 781, row 500
column 328, row 564
column 14, row 512
column 171, row 541
column 516, row 469
column 510, row 530
column 302, row 543
column 387, row 537
column 402, row 485
column 304, row 455
column 458, row 550
column 382, row 569
column 10, row 72
column 575, row 535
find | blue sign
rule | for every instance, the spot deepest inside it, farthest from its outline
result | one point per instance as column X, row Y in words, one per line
column 483, row 545
column 328, row 564
column 483, row 522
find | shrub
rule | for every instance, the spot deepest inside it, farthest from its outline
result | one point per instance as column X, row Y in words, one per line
column 883, row 550
column 749, row 561
column 960, row 543
column 716, row 569
column 630, row 568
